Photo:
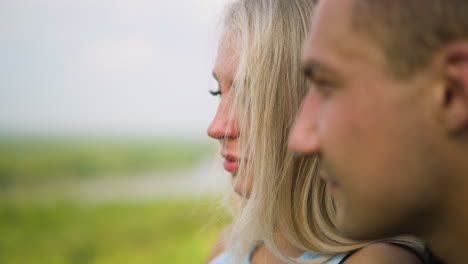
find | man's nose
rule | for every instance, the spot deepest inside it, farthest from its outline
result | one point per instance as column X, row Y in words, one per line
column 304, row 135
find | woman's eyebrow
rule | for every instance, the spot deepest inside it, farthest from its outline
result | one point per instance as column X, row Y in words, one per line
column 214, row 76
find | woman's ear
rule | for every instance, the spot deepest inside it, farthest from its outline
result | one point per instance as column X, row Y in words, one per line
column 454, row 101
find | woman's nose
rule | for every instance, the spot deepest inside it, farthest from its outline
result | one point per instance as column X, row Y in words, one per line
column 224, row 122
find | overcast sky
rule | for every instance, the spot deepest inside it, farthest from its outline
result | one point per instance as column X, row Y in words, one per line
column 97, row 67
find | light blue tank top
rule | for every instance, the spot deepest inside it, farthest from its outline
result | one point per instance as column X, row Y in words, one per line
column 224, row 257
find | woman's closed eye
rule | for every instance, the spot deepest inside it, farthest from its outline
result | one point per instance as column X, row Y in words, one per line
column 216, row 93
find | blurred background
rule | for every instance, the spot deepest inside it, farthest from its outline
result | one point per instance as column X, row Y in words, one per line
column 104, row 106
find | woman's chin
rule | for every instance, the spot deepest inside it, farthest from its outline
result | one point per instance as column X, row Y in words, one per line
column 242, row 189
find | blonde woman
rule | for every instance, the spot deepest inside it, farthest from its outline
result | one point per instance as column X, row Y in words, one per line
column 286, row 214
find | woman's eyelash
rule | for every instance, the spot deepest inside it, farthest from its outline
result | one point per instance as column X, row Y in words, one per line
column 215, row 93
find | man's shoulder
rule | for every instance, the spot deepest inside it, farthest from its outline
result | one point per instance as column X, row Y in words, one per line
column 431, row 258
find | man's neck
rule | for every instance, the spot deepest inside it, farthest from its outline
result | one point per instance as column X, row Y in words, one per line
column 452, row 245
column 448, row 238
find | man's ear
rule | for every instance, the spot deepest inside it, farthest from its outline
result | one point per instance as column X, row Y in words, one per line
column 454, row 101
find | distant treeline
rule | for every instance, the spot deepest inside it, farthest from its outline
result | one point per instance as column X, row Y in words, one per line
column 29, row 160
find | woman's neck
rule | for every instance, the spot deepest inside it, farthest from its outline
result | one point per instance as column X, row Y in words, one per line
column 264, row 255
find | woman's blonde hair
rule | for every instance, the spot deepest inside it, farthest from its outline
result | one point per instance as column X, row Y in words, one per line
column 268, row 87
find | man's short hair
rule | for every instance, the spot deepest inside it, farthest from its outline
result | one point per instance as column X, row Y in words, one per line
column 410, row 32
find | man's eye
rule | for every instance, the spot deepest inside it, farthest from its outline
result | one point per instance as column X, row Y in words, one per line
column 323, row 86
column 322, row 83
column 216, row 93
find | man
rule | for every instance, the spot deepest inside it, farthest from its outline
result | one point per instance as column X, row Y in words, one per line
column 388, row 115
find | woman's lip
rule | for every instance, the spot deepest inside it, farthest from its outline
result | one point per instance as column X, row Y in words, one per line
column 231, row 165
column 230, row 157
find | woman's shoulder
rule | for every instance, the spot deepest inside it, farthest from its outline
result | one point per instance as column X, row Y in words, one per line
column 218, row 247
column 384, row 253
column 222, row 258
column 336, row 259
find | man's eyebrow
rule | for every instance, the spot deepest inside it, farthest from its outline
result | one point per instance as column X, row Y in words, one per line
column 311, row 67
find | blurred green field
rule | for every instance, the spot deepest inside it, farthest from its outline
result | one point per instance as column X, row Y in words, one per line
column 26, row 160
column 171, row 231
column 41, row 230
